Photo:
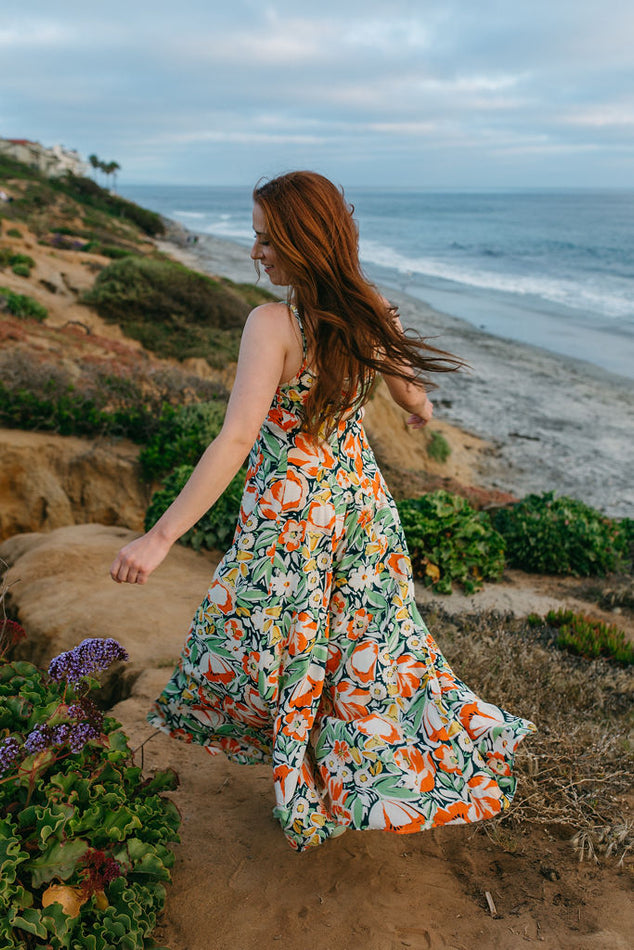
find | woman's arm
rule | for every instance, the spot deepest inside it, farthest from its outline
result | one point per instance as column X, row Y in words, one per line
column 263, row 348
column 409, row 394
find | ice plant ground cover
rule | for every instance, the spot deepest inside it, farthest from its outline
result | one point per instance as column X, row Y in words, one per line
column 83, row 836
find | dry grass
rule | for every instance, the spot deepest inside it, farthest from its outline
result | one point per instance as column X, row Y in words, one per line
column 575, row 773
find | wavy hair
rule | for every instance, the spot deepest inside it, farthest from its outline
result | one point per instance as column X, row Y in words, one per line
column 351, row 333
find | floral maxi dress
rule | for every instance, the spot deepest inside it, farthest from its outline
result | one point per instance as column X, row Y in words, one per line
column 309, row 652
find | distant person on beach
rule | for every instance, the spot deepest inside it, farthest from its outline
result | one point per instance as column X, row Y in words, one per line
column 308, row 651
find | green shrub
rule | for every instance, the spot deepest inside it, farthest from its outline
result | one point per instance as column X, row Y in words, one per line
column 72, row 413
column 20, row 305
column 23, row 259
column 216, row 528
column 82, row 831
column 438, row 448
column 14, row 233
column 115, row 253
column 551, row 535
column 21, row 270
column 21, row 264
column 626, row 529
column 587, row 636
column 89, row 193
column 449, row 541
column 181, row 437
column 174, row 311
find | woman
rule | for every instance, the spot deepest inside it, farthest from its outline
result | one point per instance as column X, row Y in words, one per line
column 308, row 651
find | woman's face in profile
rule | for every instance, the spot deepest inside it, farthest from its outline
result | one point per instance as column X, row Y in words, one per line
column 264, row 252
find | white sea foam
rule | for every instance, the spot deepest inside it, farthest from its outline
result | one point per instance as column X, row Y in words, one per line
column 570, row 293
column 189, row 214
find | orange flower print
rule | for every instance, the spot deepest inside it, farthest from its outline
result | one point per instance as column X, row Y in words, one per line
column 302, row 633
column 455, row 812
column 219, row 669
column 399, row 564
column 221, row 596
column 395, row 815
column 342, row 750
column 251, row 665
column 409, row 673
column 306, row 692
column 381, row 727
column 321, row 515
column 359, row 624
column 349, row 701
column 293, row 535
column 446, row 758
column 297, row 724
column 362, row 662
column 479, row 718
column 498, row 764
column 486, row 797
column 334, row 659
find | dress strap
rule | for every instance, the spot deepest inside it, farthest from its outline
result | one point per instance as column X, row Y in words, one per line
column 295, row 311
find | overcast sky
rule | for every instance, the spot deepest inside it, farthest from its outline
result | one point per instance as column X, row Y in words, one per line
column 403, row 92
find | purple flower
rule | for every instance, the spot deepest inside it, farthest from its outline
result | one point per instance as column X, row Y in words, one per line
column 38, row 740
column 80, row 735
column 60, row 734
column 9, row 751
column 91, row 656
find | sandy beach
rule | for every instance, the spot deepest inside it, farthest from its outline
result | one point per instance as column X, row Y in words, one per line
column 553, row 423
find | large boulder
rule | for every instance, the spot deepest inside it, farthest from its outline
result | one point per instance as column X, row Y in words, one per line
column 61, row 592
column 49, row 480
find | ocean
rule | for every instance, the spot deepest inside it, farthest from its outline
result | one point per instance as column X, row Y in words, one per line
column 553, row 268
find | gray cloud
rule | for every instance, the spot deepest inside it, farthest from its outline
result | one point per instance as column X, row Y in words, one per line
column 438, row 92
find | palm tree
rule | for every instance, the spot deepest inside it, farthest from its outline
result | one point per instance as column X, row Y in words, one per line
column 96, row 164
column 111, row 169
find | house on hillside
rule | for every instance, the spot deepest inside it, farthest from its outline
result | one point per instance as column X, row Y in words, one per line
column 52, row 162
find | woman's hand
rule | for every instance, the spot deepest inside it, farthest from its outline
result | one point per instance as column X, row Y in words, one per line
column 135, row 562
column 419, row 419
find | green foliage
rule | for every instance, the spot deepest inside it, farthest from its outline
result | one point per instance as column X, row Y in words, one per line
column 438, row 448
column 70, row 817
column 174, row 311
column 20, row 264
column 626, row 530
column 449, row 541
column 182, row 435
column 20, row 305
column 71, row 413
column 551, row 535
column 21, row 270
column 216, row 528
column 14, row 233
column 89, row 193
column 587, row 636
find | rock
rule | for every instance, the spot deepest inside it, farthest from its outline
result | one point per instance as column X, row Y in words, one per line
column 48, row 480
column 62, row 593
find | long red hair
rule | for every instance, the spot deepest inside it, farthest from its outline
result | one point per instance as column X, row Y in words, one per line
column 351, row 334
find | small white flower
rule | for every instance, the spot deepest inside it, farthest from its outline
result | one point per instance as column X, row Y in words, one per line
column 359, row 578
column 246, row 541
column 323, row 561
column 284, row 584
column 312, row 581
column 378, row 691
column 316, row 599
column 363, row 778
column 345, row 775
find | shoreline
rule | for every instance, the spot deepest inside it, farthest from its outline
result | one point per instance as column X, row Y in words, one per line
column 554, row 422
